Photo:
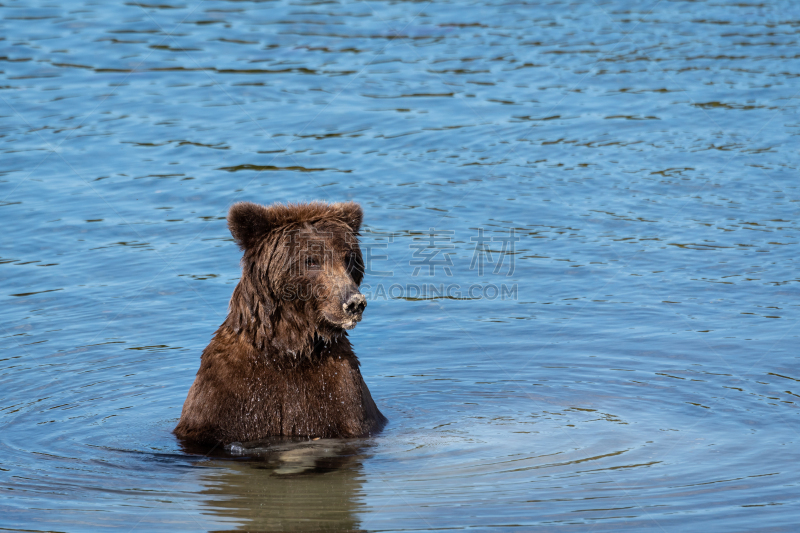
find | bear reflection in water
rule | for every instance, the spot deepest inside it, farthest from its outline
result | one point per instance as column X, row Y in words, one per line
column 288, row 485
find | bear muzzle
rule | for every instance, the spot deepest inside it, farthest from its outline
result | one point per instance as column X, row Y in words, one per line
column 353, row 310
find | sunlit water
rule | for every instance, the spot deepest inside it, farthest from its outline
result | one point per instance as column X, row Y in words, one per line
column 641, row 374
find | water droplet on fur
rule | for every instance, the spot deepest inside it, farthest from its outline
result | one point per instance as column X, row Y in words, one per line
column 235, row 448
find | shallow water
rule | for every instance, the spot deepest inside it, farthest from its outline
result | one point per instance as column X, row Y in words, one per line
column 641, row 372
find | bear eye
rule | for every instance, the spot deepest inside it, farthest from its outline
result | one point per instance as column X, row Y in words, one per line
column 311, row 262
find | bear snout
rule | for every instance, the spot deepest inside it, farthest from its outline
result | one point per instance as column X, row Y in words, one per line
column 354, row 306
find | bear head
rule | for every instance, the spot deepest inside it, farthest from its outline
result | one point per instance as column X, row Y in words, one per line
column 301, row 269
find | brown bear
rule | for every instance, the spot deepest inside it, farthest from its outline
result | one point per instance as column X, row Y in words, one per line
column 281, row 364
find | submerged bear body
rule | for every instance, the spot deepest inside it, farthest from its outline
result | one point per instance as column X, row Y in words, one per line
column 281, row 363
column 239, row 395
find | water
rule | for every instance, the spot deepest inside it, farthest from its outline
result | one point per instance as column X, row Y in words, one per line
column 641, row 374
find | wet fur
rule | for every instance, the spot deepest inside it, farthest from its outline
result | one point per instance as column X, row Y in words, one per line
column 280, row 365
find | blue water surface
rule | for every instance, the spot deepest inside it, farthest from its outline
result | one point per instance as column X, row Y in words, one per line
column 599, row 199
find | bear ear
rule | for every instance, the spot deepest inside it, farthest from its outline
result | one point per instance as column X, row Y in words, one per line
column 248, row 223
column 352, row 215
